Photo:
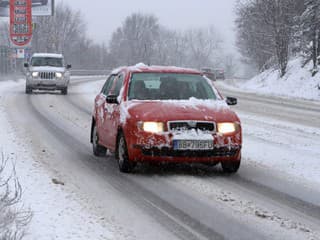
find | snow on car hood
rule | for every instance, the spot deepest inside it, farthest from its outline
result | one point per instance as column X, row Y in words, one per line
column 47, row 69
column 169, row 110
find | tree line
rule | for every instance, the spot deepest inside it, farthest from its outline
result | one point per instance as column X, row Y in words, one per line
column 269, row 32
column 139, row 38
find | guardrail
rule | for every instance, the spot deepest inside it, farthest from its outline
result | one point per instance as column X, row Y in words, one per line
column 86, row 72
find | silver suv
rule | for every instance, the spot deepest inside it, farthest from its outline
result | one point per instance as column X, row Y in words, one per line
column 47, row 71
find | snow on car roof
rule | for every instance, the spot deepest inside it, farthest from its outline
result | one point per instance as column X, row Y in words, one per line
column 141, row 67
column 53, row 55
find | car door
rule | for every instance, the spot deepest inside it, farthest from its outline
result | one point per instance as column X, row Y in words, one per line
column 100, row 103
column 112, row 113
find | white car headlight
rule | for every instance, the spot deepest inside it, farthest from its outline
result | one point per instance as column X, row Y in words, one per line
column 59, row 75
column 35, row 74
column 227, row 127
column 153, row 127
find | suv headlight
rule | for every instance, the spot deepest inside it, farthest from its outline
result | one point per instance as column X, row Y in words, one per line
column 227, row 127
column 152, row 127
column 59, row 75
column 35, row 74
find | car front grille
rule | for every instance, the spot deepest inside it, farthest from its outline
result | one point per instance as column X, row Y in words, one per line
column 47, row 75
column 189, row 125
column 168, row 152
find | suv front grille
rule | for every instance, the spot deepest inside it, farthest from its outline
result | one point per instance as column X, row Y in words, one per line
column 47, row 75
column 189, row 125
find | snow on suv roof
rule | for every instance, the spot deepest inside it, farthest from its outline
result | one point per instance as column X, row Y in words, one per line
column 53, row 55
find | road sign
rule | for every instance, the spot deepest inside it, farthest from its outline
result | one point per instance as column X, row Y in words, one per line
column 20, row 22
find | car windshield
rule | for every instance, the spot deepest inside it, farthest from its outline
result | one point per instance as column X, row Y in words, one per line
column 169, row 86
column 46, row 61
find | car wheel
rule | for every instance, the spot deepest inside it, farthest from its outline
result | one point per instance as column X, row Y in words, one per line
column 98, row 150
column 28, row 90
column 122, row 156
column 230, row 166
column 64, row 91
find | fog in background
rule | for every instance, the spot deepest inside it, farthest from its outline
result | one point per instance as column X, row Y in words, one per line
column 98, row 34
column 103, row 17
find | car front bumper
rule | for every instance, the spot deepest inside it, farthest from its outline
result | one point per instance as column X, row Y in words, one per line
column 225, row 148
column 45, row 84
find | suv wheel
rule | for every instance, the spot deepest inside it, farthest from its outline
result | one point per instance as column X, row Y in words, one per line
column 28, row 90
column 125, row 165
column 64, row 91
column 98, row 150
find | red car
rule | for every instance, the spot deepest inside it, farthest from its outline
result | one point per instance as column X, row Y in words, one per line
column 165, row 114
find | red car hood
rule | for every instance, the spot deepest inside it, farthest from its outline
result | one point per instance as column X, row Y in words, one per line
column 162, row 111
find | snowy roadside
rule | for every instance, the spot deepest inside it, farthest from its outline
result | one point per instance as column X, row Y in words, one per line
column 297, row 83
column 56, row 213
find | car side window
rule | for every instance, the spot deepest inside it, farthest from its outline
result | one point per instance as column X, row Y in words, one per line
column 108, row 84
column 118, row 84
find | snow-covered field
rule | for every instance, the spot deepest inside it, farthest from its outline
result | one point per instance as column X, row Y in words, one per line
column 297, row 83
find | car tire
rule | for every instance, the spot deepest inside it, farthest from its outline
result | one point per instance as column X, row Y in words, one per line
column 64, row 91
column 98, row 150
column 230, row 166
column 125, row 165
column 28, row 90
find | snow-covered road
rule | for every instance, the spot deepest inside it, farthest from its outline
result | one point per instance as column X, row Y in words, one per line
column 275, row 195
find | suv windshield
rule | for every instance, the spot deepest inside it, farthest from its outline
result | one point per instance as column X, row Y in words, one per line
column 46, row 61
column 167, row 86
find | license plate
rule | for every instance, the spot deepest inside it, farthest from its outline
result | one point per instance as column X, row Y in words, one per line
column 192, row 144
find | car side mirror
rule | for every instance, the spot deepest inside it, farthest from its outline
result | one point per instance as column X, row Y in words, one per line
column 69, row 66
column 26, row 65
column 112, row 99
column 231, row 101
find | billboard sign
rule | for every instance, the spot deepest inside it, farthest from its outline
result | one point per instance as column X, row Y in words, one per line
column 39, row 7
column 20, row 22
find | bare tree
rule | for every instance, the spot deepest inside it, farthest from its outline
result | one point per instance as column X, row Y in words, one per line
column 170, row 48
column 265, row 30
column 310, row 21
column 201, row 45
column 141, row 39
column 4, row 48
column 60, row 33
column 4, row 34
column 230, row 65
column 253, row 38
column 134, row 41
column 13, row 221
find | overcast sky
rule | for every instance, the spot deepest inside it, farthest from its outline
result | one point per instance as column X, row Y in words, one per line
column 104, row 16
